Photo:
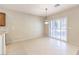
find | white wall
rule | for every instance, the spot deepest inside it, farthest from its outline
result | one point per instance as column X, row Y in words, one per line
column 22, row 26
column 73, row 24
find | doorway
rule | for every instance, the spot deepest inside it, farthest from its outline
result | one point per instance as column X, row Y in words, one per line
column 58, row 28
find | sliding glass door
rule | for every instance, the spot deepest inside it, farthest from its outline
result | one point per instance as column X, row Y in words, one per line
column 58, row 29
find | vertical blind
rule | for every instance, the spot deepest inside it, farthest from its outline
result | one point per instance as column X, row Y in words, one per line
column 58, row 28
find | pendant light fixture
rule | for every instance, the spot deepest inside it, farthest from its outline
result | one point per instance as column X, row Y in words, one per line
column 46, row 21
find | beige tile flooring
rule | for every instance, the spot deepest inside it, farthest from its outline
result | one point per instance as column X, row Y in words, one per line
column 41, row 46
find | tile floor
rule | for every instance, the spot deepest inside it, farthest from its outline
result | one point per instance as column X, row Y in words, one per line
column 41, row 46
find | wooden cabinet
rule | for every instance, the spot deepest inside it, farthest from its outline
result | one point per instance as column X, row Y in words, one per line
column 2, row 19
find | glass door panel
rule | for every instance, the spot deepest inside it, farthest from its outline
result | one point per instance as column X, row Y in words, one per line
column 58, row 29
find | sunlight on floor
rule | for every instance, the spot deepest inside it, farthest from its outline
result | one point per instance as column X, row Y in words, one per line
column 42, row 46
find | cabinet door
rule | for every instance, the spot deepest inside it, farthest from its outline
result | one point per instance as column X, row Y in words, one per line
column 2, row 19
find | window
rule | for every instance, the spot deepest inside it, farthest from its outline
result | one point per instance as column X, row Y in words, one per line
column 58, row 28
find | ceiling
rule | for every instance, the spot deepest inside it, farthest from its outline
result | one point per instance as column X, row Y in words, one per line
column 38, row 9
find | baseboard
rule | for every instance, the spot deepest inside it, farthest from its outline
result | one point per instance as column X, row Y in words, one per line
column 24, row 39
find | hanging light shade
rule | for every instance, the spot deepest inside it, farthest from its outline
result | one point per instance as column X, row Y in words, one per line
column 46, row 21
